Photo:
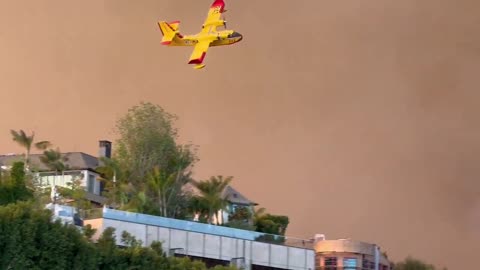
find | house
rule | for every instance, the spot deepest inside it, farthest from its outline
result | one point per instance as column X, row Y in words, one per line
column 79, row 165
column 234, row 200
column 83, row 166
column 349, row 254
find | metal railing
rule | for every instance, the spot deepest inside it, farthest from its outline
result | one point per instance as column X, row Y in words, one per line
column 91, row 213
column 212, row 229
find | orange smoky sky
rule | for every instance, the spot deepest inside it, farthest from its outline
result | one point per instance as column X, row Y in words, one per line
column 357, row 119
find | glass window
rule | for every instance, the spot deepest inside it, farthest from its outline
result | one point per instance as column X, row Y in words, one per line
column 91, row 183
column 365, row 264
column 331, row 263
column 349, row 263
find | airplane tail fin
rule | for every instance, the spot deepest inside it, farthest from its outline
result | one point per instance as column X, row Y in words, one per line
column 169, row 31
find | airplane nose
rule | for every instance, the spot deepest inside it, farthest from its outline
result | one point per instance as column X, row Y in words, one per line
column 236, row 35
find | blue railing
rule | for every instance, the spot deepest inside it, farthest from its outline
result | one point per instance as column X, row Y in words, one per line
column 181, row 224
column 192, row 226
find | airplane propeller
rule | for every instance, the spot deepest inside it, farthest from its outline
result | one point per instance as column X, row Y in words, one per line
column 225, row 21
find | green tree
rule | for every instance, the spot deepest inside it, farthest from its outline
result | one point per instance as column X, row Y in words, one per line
column 117, row 189
column 258, row 214
column 270, row 224
column 54, row 160
column 198, row 206
column 241, row 218
column 241, row 213
column 411, row 263
column 147, row 139
column 77, row 193
column 13, row 187
column 19, row 187
column 148, row 154
column 163, row 185
column 89, row 232
column 211, row 191
column 107, row 249
column 26, row 142
column 30, row 240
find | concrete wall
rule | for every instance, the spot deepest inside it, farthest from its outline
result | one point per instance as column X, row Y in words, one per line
column 215, row 246
column 97, row 224
column 346, row 248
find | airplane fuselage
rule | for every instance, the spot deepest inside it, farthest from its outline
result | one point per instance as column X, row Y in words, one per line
column 220, row 38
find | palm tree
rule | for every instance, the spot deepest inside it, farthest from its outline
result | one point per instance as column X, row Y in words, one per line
column 162, row 184
column 112, row 176
column 259, row 214
column 26, row 141
column 54, row 161
column 211, row 194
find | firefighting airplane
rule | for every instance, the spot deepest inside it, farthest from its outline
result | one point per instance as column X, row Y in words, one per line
column 208, row 36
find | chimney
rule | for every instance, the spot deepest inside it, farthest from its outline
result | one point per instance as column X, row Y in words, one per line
column 319, row 237
column 105, row 149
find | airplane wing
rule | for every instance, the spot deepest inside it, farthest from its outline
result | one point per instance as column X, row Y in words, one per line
column 213, row 17
column 199, row 52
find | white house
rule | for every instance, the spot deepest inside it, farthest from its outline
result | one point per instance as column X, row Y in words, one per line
column 79, row 165
column 83, row 166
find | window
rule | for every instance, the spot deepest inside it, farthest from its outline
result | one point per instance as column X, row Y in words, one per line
column 330, row 263
column 91, row 183
column 349, row 263
column 365, row 264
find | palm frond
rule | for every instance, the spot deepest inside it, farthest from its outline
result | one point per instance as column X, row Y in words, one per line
column 22, row 138
column 43, row 145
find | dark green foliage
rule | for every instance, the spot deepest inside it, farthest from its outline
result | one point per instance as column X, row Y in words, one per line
column 272, row 224
column 12, row 186
column 26, row 141
column 29, row 240
column 241, row 219
column 270, row 238
column 134, row 256
column 240, row 225
column 241, row 213
column 54, row 160
column 154, row 168
column 211, row 195
column 88, row 231
column 147, row 139
column 414, row 264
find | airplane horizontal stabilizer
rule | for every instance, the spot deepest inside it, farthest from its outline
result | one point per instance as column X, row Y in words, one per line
column 169, row 31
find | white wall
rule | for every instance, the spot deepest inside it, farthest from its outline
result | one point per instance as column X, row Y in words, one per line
column 217, row 247
column 63, row 180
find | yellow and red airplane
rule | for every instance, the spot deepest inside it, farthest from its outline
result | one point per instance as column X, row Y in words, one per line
column 208, row 36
